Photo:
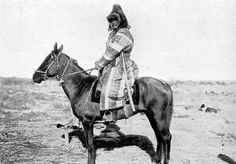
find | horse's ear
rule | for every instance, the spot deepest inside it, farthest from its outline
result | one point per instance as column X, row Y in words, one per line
column 60, row 49
column 55, row 47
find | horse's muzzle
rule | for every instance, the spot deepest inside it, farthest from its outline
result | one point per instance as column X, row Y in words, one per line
column 38, row 77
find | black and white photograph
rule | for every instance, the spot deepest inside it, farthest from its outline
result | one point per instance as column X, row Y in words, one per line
column 117, row 82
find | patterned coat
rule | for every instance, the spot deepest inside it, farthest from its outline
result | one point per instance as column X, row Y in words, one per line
column 112, row 80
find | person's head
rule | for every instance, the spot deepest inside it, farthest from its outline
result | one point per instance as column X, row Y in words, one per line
column 117, row 18
column 114, row 23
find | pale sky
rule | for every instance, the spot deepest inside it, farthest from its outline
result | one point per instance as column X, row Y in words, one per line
column 174, row 39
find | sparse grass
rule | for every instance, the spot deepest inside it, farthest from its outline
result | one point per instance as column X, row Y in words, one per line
column 15, row 98
column 19, row 119
column 16, row 146
column 63, row 107
column 24, row 134
column 202, row 82
column 226, row 135
column 5, row 114
column 15, row 94
column 8, row 156
column 183, row 116
column 188, row 107
column 10, row 138
column 13, row 81
column 39, row 96
column 33, row 116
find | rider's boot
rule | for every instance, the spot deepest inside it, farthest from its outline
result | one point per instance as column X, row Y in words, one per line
column 110, row 118
column 125, row 112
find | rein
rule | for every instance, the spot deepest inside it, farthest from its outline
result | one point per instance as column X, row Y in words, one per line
column 78, row 72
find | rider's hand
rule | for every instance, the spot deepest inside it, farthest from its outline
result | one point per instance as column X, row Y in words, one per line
column 97, row 66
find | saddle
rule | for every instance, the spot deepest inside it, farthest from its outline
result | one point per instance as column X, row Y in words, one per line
column 95, row 97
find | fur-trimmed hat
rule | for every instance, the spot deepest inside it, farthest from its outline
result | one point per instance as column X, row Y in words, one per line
column 117, row 13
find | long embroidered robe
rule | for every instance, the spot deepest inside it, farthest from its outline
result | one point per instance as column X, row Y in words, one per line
column 112, row 80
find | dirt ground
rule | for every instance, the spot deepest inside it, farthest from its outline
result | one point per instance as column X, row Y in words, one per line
column 29, row 114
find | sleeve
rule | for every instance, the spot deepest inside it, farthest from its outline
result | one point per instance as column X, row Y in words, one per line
column 118, row 43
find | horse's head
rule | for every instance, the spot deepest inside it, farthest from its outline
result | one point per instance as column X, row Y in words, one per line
column 50, row 67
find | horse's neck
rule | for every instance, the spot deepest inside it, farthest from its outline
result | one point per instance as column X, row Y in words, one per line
column 73, row 83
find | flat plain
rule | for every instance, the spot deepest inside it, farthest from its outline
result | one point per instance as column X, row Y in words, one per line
column 29, row 114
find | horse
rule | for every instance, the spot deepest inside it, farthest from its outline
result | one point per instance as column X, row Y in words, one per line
column 155, row 99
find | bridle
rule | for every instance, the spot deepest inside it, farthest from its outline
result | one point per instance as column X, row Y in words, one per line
column 59, row 75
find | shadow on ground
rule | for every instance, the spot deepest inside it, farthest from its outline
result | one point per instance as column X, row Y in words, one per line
column 109, row 143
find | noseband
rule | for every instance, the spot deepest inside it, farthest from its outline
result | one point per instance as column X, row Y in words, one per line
column 58, row 75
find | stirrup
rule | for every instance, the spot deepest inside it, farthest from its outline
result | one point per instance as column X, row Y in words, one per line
column 106, row 120
column 107, row 117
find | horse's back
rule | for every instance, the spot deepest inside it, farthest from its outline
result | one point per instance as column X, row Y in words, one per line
column 150, row 84
column 154, row 92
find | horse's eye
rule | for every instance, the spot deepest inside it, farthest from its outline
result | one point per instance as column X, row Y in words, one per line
column 52, row 56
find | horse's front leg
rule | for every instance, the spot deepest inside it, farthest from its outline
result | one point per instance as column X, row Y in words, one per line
column 88, row 129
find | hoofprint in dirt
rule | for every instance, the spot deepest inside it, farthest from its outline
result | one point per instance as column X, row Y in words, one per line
column 28, row 132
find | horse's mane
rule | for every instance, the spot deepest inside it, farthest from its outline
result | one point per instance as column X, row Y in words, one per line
column 74, row 61
column 89, row 79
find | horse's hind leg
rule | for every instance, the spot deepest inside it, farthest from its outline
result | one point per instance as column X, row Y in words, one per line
column 159, row 138
column 163, row 137
column 159, row 147
column 162, row 133
column 166, row 144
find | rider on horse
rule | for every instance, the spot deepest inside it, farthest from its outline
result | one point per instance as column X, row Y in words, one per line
column 118, row 48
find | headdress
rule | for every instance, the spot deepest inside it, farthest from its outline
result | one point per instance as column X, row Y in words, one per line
column 118, row 14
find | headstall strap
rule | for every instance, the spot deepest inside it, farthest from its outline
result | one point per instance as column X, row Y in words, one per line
column 59, row 75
